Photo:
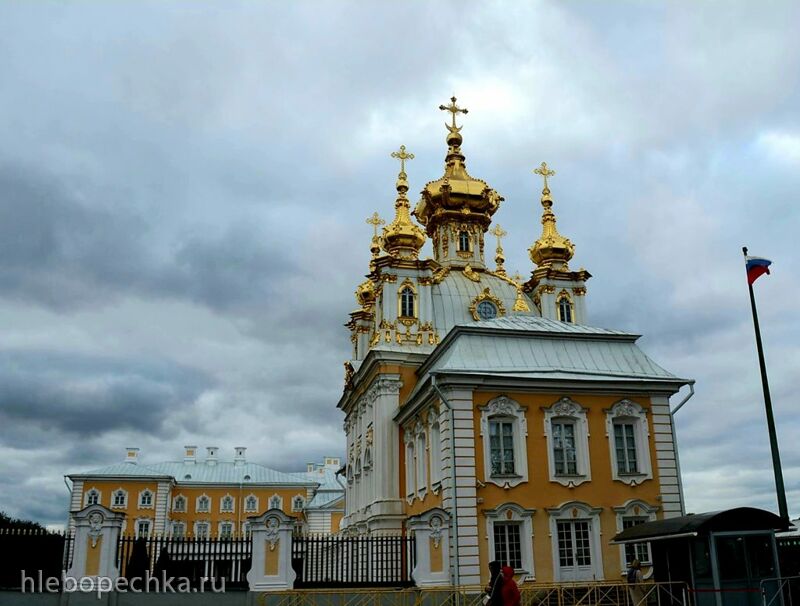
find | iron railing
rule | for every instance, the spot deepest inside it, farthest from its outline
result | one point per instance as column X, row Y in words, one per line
column 35, row 553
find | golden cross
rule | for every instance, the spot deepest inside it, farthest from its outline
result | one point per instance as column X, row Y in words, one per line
column 517, row 278
column 499, row 232
column 453, row 109
column 545, row 172
column 376, row 221
column 402, row 156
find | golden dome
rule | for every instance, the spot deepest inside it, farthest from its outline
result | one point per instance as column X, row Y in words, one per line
column 402, row 238
column 456, row 195
column 551, row 249
column 365, row 294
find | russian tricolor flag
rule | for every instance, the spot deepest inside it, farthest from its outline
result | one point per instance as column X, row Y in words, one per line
column 756, row 266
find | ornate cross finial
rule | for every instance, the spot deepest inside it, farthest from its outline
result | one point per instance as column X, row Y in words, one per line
column 499, row 232
column 402, row 156
column 544, row 172
column 453, row 109
column 376, row 221
column 517, row 277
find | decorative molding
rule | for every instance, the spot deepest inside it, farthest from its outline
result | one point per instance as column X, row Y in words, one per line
column 505, row 408
column 568, row 409
column 486, row 295
column 95, row 526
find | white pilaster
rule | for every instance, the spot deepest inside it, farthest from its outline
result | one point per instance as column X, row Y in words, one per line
column 271, row 568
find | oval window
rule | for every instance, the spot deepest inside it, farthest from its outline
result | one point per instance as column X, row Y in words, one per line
column 487, row 310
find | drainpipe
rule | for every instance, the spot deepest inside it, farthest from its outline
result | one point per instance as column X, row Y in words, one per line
column 675, row 444
column 454, row 516
column 69, row 507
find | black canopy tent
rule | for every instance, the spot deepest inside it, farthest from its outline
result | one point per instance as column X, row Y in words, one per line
column 723, row 556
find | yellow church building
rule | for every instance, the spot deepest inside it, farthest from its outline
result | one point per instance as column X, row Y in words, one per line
column 492, row 400
column 205, row 496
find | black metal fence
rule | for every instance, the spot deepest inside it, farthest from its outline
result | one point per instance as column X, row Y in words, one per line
column 38, row 554
column 323, row 561
column 221, row 559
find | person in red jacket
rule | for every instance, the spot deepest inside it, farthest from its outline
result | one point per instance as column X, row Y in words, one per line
column 511, row 595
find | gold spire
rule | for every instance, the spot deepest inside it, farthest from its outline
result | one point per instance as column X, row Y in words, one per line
column 401, row 238
column 551, row 249
column 376, row 221
column 456, row 197
column 499, row 232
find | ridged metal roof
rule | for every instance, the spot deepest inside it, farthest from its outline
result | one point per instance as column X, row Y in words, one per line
column 508, row 346
column 201, row 472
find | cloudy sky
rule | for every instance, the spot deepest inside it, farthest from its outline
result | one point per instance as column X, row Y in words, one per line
column 183, row 190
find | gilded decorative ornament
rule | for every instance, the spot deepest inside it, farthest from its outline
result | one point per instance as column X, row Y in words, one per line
column 402, row 238
column 579, row 291
column 551, row 249
column 471, row 273
column 440, row 274
column 486, row 295
column 520, row 304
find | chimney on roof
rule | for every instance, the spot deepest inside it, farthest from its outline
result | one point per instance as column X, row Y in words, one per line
column 238, row 456
column 190, row 454
column 310, row 467
column 132, row 455
column 333, row 463
column 211, row 455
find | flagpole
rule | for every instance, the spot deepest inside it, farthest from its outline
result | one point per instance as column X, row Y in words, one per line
column 773, row 436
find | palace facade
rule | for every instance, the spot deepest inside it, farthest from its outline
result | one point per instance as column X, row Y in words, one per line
column 490, row 400
column 207, row 496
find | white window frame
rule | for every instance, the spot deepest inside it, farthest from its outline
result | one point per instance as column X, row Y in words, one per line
column 179, row 498
column 294, row 502
column 140, row 499
column 178, row 529
column 90, row 493
column 435, row 450
column 506, row 409
column 421, row 462
column 411, row 466
column 222, row 523
column 567, row 409
column 634, row 508
column 511, row 512
column 204, row 523
column 197, row 504
column 232, row 508
column 247, row 508
column 627, row 411
column 114, row 494
column 577, row 510
column 149, row 523
column 272, row 502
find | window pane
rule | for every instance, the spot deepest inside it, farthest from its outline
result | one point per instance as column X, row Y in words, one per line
column 583, row 552
column 565, row 552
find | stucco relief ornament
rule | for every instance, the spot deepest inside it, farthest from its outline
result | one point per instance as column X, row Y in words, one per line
column 625, row 408
column 566, row 407
column 502, row 406
column 272, row 535
column 436, row 530
column 95, row 527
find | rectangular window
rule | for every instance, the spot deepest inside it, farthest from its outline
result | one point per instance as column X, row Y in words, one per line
column 574, row 543
column 225, row 530
column 564, row 453
column 625, row 447
column 178, row 530
column 142, row 528
column 638, row 551
column 501, row 447
column 507, row 544
column 201, row 530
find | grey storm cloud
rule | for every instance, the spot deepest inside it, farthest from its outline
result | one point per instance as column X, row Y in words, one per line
column 183, row 189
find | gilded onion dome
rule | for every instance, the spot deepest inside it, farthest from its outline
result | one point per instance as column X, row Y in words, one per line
column 456, row 196
column 551, row 249
column 402, row 238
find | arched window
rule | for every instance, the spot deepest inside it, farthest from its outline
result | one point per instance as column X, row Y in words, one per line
column 407, row 302
column 275, row 502
column 203, row 503
column 251, row 504
column 179, row 504
column 486, row 310
column 565, row 309
column 463, row 241
column 298, row 503
column 226, row 504
column 92, row 497
column 120, row 498
column 411, row 480
column 145, row 498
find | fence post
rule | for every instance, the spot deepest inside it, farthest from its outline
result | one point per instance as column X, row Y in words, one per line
column 97, row 531
column 271, row 538
column 432, row 533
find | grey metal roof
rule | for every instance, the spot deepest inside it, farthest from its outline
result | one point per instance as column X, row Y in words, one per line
column 453, row 296
column 530, row 346
column 201, row 472
column 324, row 499
column 325, row 477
